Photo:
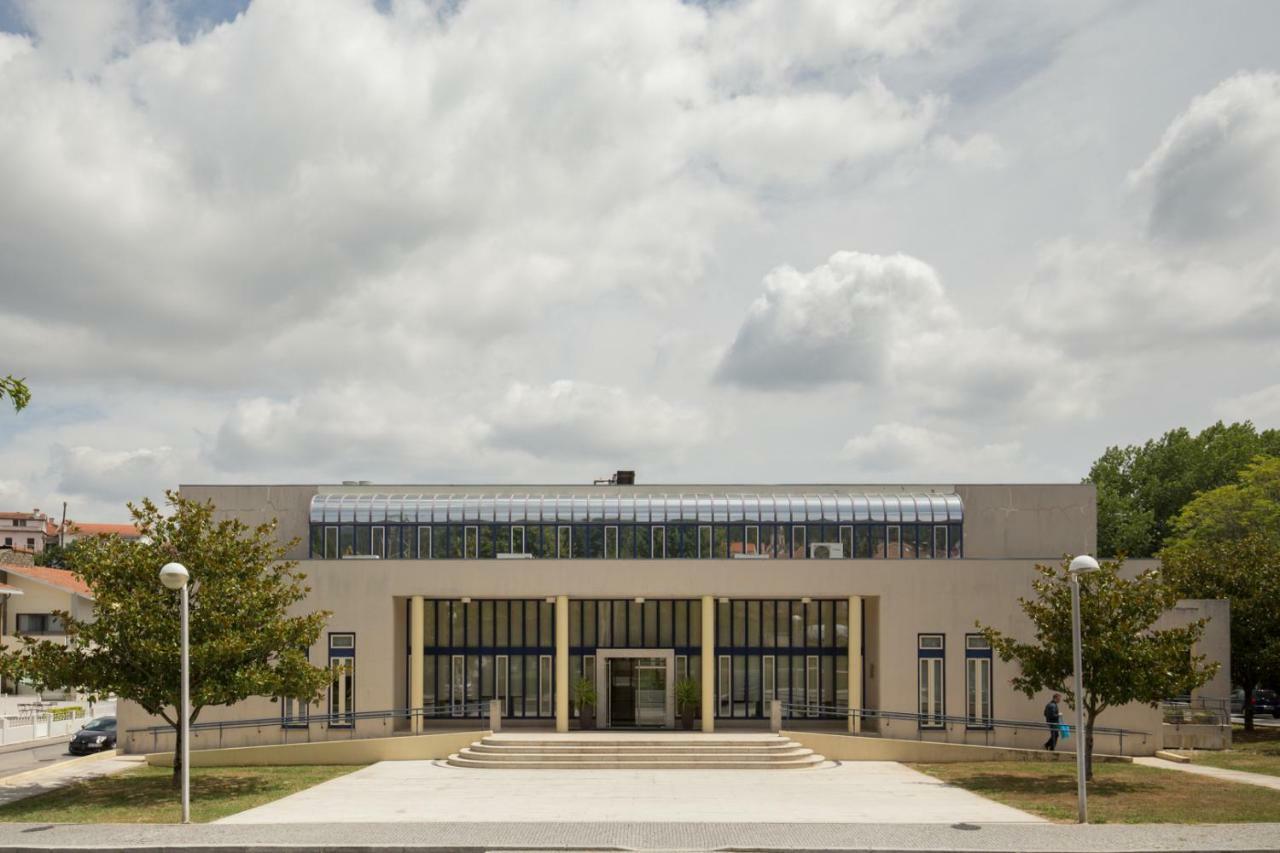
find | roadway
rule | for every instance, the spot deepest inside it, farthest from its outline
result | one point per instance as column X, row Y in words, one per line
column 32, row 757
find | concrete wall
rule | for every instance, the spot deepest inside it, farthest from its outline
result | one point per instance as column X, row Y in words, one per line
column 839, row 747
column 904, row 598
column 1038, row 521
column 411, row 748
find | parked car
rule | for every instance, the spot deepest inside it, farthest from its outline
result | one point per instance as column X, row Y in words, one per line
column 1266, row 702
column 97, row 735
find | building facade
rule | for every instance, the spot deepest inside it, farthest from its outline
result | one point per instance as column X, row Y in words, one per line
column 825, row 597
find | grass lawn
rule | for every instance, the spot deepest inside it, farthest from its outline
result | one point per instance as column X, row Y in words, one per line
column 1257, row 751
column 1119, row 793
column 145, row 796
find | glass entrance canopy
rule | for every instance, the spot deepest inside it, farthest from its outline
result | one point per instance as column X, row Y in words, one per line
column 569, row 508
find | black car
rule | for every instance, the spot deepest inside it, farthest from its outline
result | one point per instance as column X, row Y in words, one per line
column 1265, row 702
column 96, row 736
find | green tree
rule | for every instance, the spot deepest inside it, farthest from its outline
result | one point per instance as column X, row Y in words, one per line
column 1247, row 572
column 244, row 639
column 1226, row 544
column 17, row 392
column 1142, row 488
column 1125, row 659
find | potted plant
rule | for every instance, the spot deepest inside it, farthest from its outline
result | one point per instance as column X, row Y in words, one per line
column 688, row 695
column 585, row 697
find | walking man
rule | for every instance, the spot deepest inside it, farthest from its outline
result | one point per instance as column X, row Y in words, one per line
column 1052, row 717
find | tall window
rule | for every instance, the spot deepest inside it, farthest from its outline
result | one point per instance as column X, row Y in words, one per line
column 931, row 652
column 977, row 676
column 342, row 684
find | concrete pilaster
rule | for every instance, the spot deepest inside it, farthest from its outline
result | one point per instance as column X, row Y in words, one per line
column 416, row 639
column 855, row 660
column 708, row 663
column 562, row 663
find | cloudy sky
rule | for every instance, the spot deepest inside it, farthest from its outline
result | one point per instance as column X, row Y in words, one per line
column 735, row 241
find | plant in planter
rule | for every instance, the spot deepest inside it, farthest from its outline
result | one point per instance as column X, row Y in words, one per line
column 688, row 695
column 585, row 697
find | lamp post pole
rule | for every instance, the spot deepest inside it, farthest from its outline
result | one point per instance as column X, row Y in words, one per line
column 174, row 576
column 1080, row 565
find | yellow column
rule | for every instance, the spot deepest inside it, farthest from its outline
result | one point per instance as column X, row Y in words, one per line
column 416, row 623
column 855, row 660
column 708, row 664
column 562, row 663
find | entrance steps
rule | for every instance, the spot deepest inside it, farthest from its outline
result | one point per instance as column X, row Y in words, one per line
column 636, row 751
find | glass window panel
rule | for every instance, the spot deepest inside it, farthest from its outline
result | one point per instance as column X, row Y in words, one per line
column 564, row 546
column 592, row 541
column 530, row 623
column 627, row 542
column 575, row 623
column 723, row 625
column 651, row 624
column 812, row 624
column 827, row 623
column 502, row 624
column 893, row 543
column 753, row 623
column 737, row 540
column 828, row 695
column 620, row 623
column 908, row 541
column 346, row 540
column 842, row 681
column 739, row 624
column 768, row 627
column 720, row 547
column 611, row 542
column 604, row 622
column 798, row 539
column 546, row 624
column 695, row 624
column 784, row 624
column 531, row 685
column 704, row 542
column 517, row 623
column 635, row 638
column 501, row 539
column 682, row 624
column 842, row 623
column 797, row 623
column 486, row 623
column 644, row 541
column 665, row 624
column 516, row 685
column 589, row 623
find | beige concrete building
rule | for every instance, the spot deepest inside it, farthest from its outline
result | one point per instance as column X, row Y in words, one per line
column 30, row 597
column 825, row 597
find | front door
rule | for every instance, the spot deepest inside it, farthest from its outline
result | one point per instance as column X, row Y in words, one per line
column 622, row 692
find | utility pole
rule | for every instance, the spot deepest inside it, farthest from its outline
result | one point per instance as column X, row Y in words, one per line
column 62, row 529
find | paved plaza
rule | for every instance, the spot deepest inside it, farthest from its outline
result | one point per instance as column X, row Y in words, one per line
column 430, row 791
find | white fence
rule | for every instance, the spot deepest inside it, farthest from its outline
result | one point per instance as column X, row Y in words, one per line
column 15, row 728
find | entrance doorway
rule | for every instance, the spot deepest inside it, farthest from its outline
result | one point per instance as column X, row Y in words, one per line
column 639, row 691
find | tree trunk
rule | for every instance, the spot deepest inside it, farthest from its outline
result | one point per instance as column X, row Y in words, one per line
column 1248, row 709
column 176, row 782
column 1087, row 746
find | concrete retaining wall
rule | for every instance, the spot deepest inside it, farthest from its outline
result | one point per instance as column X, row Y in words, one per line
column 853, row 748
column 1196, row 736
column 408, row 748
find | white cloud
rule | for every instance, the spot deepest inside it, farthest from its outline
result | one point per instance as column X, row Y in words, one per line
column 1216, row 173
column 897, row 452
column 112, row 475
column 566, row 419
column 886, row 322
column 1261, row 406
column 324, row 170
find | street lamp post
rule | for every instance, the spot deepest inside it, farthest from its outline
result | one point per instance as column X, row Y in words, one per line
column 174, row 576
column 1079, row 566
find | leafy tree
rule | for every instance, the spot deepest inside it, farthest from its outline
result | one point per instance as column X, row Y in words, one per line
column 1125, row 659
column 55, row 556
column 1246, row 571
column 1142, row 488
column 1226, row 544
column 244, row 641
column 17, row 392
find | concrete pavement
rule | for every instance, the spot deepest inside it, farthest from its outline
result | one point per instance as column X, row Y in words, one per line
column 22, row 785
column 1262, row 780
column 386, row 837
column 429, row 791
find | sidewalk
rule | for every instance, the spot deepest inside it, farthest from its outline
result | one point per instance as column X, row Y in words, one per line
column 1034, row 838
column 31, row 782
column 1262, row 780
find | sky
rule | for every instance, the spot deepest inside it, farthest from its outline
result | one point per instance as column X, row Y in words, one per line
column 742, row 241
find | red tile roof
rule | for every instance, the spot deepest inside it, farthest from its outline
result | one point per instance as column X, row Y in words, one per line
column 87, row 528
column 5, row 589
column 60, row 578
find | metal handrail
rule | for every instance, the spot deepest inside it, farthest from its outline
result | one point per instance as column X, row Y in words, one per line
column 433, row 712
column 801, row 710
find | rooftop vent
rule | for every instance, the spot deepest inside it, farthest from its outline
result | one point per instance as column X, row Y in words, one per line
column 619, row 478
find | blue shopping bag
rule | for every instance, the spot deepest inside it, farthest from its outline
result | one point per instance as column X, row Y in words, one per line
column 1064, row 731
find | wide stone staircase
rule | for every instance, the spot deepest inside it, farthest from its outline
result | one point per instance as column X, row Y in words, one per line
column 637, row 751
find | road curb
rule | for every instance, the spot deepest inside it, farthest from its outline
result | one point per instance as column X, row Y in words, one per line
column 18, row 746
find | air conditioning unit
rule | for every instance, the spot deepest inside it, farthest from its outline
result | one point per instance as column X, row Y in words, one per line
column 826, row 551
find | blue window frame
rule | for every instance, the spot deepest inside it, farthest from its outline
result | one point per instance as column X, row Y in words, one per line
column 977, row 682
column 931, row 651
column 342, row 679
